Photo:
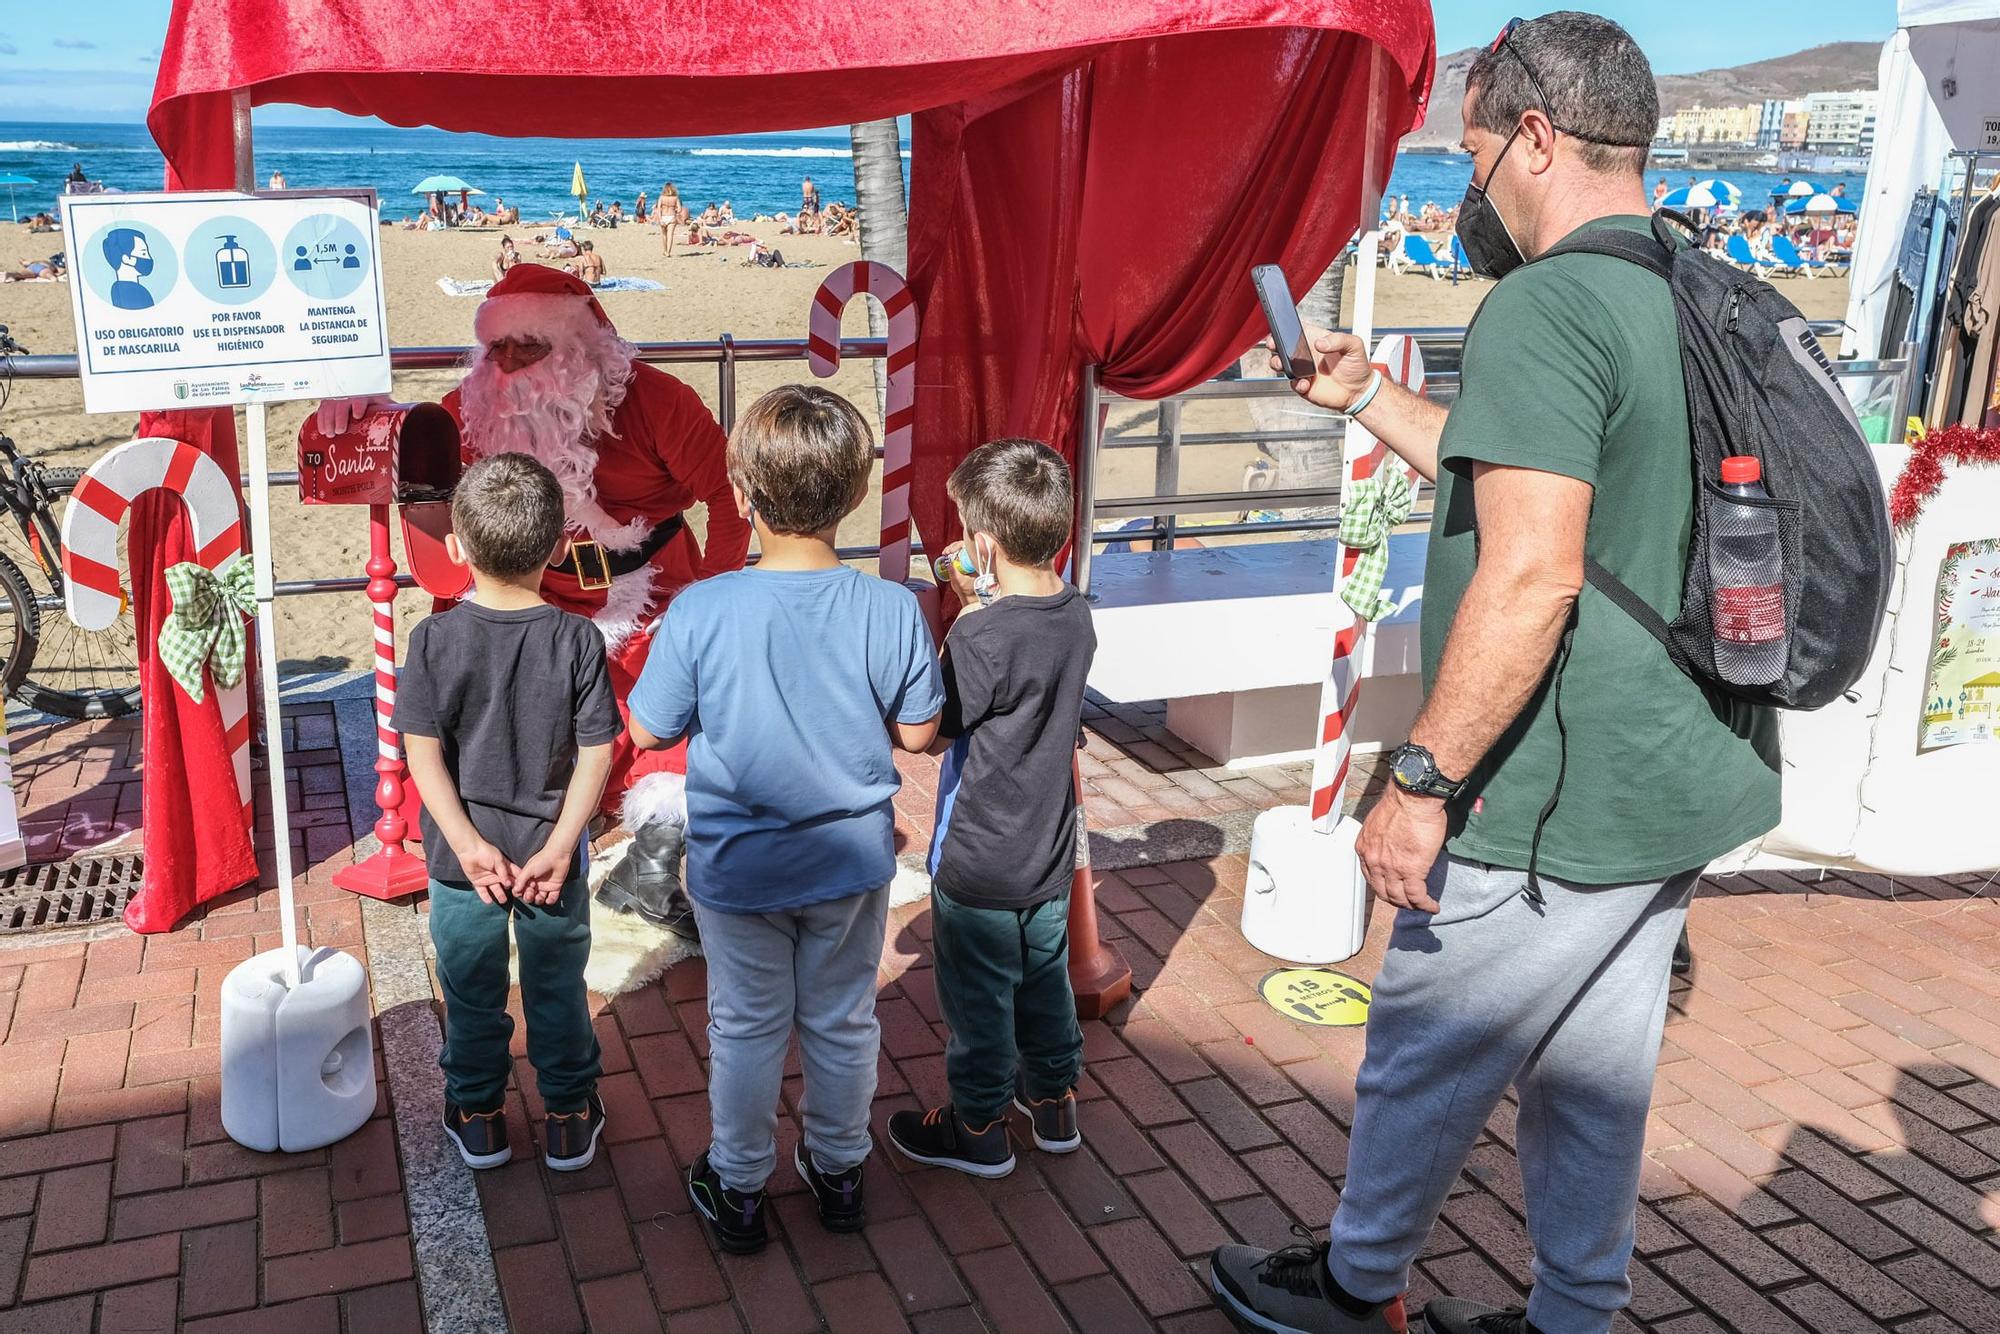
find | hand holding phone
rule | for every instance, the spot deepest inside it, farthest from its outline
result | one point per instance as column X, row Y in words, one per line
column 1288, row 333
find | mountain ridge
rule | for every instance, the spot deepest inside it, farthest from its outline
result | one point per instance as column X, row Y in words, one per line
column 1831, row 67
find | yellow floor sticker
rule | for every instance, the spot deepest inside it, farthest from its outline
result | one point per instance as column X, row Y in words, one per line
column 1317, row 996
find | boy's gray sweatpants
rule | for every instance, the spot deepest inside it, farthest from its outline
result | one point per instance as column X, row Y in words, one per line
column 813, row 967
column 1565, row 1002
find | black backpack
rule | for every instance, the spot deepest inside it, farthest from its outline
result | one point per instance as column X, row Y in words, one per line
column 1758, row 384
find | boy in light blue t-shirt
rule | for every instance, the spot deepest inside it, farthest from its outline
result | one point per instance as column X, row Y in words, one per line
column 792, row 681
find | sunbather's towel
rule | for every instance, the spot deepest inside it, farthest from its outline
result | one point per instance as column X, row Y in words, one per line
column 462, row 287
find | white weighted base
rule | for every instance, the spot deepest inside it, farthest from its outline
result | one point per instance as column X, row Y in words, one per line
column 1305, row 900
column 298, row 1064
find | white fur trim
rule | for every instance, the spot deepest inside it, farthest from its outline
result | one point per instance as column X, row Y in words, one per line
column 655, row 797
column 626, row 951
column 548, row 316
column 599, row 526
column 909, row 885
column 627, row 607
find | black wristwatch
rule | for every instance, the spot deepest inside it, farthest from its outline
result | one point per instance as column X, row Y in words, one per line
column 1416, row 772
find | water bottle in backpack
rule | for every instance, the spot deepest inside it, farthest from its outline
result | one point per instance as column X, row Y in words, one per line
column 1746, row 561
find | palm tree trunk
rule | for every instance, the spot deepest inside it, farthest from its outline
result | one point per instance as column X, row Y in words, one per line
column 885, row 222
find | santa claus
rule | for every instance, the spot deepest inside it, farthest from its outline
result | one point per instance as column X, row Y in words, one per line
column 634, row 449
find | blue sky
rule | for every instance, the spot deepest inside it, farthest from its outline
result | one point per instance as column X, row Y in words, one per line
column 94, row 60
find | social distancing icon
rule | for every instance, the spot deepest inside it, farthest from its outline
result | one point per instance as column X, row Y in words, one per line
column 1317, row 996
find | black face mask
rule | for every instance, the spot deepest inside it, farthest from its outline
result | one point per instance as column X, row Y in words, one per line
column 1489, row 246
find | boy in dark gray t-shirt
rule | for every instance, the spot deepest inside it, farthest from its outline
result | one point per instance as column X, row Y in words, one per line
column 507, row 714
column 1005, row 843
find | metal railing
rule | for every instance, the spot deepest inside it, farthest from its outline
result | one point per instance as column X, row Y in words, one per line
column 1166, row 504
column 725, row 353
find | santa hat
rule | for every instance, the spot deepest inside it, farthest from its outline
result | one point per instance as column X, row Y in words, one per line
column 538, row 302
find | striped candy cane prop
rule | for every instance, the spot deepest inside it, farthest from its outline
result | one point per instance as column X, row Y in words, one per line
column 855, row 278
column 92, row 591
column 1399, row 359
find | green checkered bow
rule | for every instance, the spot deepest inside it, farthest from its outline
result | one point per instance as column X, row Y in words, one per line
column 1372, row 507
column 206, row 625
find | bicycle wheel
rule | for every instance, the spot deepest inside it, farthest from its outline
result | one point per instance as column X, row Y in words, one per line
column 20, row 624
column 74, row 673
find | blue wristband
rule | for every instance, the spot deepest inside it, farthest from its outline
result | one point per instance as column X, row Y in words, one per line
column 1360, row 405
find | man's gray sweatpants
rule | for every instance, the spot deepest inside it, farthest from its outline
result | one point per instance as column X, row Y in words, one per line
column 813, row 967
column 1564, row 1001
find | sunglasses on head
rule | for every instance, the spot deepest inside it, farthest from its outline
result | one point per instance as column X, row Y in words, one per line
column 1501, row 43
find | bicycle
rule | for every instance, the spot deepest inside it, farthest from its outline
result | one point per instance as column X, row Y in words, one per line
column 50, row 664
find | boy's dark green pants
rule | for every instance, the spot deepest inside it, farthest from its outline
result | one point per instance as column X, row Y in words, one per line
column 554, row 940
column 1003, row 986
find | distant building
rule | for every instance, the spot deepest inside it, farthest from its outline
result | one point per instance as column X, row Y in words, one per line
column 1716, row 125
column 1841, row 122
column 1792, row 134
column 1771, row 121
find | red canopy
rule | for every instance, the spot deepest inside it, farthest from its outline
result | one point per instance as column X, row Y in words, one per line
column 1091, row 179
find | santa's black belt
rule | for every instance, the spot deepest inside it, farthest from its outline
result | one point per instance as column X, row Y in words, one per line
column 594, row 566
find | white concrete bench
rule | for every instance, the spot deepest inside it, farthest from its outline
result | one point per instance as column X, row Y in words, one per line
column 1237, row 641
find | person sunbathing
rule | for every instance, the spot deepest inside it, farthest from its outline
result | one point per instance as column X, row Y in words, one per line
column 698, row 235
column 728, row 212
column 785, row 224
column 589, row 265
column 506, row 259
column 47, row 270
column 562, row 247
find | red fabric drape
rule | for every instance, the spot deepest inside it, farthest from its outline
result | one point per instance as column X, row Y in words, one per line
column 1111, row 216
column 195, row 850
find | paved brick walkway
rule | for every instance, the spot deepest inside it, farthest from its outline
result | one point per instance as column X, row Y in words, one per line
column 1824, row 1152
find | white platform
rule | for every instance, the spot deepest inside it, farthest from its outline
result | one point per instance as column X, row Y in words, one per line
column 1237, row 641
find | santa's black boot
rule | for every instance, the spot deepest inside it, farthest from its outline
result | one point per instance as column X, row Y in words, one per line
column 647, row 883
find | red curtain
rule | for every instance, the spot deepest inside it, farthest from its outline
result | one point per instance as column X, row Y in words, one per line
column 1053, row 228
column 194, row 850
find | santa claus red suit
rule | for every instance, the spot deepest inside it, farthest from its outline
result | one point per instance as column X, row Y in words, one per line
column 634, row 450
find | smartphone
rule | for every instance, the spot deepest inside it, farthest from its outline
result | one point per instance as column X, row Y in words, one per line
column 1288, row 336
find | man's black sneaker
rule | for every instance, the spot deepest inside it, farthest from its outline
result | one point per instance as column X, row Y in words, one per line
column 939, row 1137
column 838, row 1194
column 1291, row 1290
column 569, row 1139
column 737, row 1219
column 479, row 1137
column 1053, row 1119
column 1455, row 1315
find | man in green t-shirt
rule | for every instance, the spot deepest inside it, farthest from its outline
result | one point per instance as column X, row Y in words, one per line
column 1564, row 783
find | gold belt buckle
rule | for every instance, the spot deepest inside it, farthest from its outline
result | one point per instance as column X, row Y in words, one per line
column 593, row 567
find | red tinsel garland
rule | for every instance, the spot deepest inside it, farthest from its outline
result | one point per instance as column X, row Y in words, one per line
column 1924, row 473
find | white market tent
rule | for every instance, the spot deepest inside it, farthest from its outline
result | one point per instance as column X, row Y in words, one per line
column 1938, row 82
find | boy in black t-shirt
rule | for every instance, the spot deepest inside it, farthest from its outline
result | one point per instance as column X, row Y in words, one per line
column 506, row 710
column 1005, row 846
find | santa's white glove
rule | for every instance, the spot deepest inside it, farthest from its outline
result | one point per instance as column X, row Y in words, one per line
column 336, row 416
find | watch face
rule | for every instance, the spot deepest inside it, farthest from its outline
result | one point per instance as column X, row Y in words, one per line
column 1411, row 768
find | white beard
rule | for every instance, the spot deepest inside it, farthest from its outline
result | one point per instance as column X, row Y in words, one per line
column 555, row 411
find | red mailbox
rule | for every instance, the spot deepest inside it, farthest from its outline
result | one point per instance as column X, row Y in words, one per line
column 403, row 454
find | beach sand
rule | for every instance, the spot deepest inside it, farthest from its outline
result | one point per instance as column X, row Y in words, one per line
column 707, row 292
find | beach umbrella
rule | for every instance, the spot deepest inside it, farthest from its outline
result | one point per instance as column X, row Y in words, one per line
column 1819, row 204
column 1721, row 189
column 576, row 185
column 1698, row 195
column 448, row 185
column 1801, row 188
column 11, row 179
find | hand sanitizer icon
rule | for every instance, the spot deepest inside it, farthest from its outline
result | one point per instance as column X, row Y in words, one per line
column 232, row 264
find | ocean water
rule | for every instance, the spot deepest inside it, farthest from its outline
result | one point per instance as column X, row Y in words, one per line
column 758, row 173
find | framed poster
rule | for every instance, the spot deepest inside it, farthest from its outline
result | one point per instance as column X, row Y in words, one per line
column 1962, row 690
column 204, row 299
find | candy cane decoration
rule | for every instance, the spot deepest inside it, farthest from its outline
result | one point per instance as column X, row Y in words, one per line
column 1399, row 360
column 92, row 593
column 823, row 355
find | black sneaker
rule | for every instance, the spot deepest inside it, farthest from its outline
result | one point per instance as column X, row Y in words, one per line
column 841, row 1207
column 737, row 1219
column 1683, row 955
column 939, row 1137
column 1455, row 1315
column 1053, row 1119
column 569, row 1139
column 479, row 1137
column 1291, row 1290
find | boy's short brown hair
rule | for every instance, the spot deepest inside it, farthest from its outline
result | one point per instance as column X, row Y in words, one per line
column 508, row 514
column 1019, row 491
column 802, row 454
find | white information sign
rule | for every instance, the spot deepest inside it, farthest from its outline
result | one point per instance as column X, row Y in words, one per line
column 207, row 299
column 1989, row 134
